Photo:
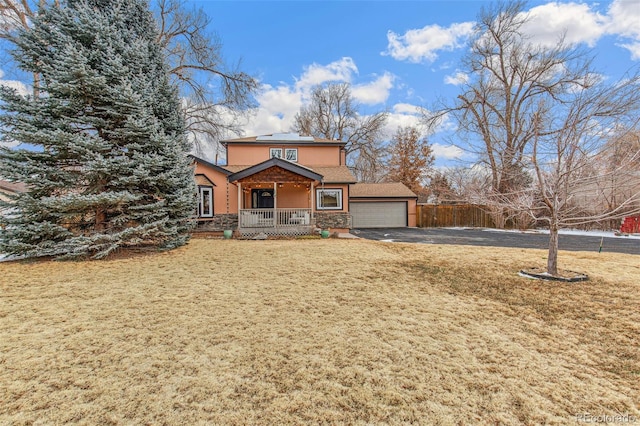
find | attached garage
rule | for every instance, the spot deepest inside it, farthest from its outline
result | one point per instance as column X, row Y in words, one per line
column 378, row 214
column 381, row 205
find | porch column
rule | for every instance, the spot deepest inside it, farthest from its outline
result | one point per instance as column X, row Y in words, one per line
column 275, row 204
column 239, row 203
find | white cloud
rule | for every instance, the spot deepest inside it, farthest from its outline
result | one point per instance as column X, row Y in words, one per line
column 633, row 48
column 375, row 92
column 403, row 108
column 403, row 115
column 577, row 22
column 447, row 152
column 314, row 74
column 277, row 107
column 424, row 44
column 624, row 17
column 457, row 79
column 581, row 24
column 399, row 120
column 21, row 88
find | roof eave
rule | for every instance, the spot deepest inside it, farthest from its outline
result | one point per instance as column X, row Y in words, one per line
column 210, row 164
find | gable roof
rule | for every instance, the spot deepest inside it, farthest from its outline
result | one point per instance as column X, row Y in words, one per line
column 330, row 174
column 273, row 162
column 380, row 190
column 210, row 164
column 283, row 139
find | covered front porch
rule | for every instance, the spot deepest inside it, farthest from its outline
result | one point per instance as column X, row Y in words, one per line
column 283, row 220
column 276, row 197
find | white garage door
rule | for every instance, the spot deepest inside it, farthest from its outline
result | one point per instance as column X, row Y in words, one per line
column 378, row 214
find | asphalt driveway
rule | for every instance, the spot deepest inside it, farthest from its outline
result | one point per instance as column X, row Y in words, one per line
column 498, row 238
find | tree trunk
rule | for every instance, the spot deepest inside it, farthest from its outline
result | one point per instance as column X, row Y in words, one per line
column 101, row 217
column 552, row 259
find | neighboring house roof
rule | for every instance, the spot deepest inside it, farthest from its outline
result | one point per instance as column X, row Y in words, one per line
column 210, row 164
column 283, row 139
column 275, row 162
column 329, row 174
column 14, row 187
column 380, row 190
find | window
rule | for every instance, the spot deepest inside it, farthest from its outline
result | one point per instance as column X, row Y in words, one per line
column 329, row 199
column 205, row 201
column 275, row 153
column 291, row 154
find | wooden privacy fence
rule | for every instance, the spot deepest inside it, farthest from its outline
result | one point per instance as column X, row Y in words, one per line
column 439, row 215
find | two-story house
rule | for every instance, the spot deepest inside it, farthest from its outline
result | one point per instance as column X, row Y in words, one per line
column 290, row 184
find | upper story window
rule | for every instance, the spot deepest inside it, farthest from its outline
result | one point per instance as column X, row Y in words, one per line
column 275, row 153
column 291, row 154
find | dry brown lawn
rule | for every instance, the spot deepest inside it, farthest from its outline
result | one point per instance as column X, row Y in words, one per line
column 318, row 331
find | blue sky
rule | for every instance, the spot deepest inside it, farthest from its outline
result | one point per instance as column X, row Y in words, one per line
column 398, row 55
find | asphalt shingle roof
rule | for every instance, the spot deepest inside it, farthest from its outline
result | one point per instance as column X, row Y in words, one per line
column 380, row 190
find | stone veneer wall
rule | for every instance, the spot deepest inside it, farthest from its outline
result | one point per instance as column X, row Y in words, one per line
column 324, row 220
column 219, row 222
column 327, row 220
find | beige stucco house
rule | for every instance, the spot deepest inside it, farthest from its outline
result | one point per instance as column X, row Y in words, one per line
column 287, row 183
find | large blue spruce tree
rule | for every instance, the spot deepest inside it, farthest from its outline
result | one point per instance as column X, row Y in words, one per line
column 104, row 153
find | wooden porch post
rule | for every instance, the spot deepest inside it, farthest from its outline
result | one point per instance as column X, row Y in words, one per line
column 239, row 203
column 275, row 204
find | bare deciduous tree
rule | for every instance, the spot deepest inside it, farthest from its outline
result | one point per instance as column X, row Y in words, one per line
column 571, row 140
column 615, row 187
column 370, row 164
column 214, row 97
column 14, row 14
column 333, row 114
column 461, row 184
column 411, row 159
column 508, row 78
column 540, row 115
column 440, row 189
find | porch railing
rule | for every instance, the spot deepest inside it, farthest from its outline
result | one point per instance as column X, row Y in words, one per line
column 274, row 218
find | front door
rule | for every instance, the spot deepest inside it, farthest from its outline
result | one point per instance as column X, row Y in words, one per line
column 262, row 198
